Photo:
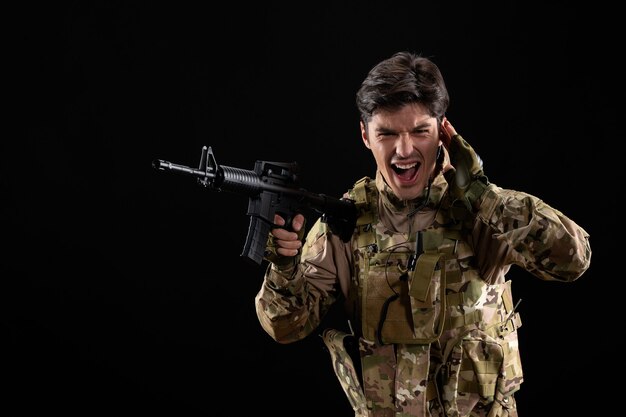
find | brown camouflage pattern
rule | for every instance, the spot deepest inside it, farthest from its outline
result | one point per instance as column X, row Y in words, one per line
column 393, row 384
column 345, row 371
column 547, row 243
column 470, row 364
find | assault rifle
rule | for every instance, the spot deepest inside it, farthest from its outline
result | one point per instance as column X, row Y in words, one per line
column 272, row 188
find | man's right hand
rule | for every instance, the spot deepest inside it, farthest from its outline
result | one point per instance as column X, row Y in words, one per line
column 288, row 242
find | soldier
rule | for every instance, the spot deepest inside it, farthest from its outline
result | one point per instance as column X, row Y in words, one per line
column 423, row 276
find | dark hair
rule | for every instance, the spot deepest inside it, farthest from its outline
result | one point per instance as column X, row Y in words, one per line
column 402, row 79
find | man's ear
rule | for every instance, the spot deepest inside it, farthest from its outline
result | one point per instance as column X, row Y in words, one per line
column 366, row 142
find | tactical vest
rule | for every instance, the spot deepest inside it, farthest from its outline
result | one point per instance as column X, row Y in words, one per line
column 431, row 296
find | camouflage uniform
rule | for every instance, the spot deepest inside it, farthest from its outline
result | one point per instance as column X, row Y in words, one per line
column 424, row 282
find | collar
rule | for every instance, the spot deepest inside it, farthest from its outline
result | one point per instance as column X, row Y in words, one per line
column 426, row 200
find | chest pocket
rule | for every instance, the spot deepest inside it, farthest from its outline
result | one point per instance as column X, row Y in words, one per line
column 401, row 298
column 401, row 305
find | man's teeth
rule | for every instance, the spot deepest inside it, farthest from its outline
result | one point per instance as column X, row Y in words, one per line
column 408, row 166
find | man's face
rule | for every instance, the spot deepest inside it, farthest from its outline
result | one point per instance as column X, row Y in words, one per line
column 404, row 143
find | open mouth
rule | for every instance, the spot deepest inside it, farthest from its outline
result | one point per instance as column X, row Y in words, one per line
column 406, row 172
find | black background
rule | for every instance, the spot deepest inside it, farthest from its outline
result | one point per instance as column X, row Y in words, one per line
column 123, row 288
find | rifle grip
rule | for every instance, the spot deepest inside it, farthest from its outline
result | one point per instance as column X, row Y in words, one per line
column 256, row 240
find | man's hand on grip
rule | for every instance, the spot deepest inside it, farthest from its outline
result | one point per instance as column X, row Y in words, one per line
column 283, row 243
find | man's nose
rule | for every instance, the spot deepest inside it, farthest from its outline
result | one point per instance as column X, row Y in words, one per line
column 404, row 145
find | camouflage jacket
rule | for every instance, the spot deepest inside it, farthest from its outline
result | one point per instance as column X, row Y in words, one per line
column 437, row 334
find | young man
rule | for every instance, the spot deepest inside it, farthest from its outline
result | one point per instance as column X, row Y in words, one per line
column 423, row 276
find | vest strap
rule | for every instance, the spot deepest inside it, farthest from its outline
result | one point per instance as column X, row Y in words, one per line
column 460, row 321
column 424, row 270
column 344, row 370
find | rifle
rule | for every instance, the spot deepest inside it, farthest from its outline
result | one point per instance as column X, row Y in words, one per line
column 272, row 188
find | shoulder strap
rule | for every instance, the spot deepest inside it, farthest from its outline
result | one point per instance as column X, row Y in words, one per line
column 364, row 196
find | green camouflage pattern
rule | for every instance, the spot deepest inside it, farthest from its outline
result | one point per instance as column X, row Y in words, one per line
column 396, row 377
column 546, row 242
column 345, row 370
column 383, row 258
column 440, row 341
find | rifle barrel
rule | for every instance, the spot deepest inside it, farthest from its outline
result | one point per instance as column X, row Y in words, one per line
column 167, row 165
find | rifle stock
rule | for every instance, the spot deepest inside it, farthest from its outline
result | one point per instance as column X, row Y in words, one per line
column 272, row 188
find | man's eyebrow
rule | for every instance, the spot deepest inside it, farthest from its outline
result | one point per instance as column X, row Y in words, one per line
column 383, row 129
column 420, row 126
column 423, row 125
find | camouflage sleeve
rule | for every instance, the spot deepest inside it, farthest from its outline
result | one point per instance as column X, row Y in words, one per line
column 536, row 237
column 294, row 299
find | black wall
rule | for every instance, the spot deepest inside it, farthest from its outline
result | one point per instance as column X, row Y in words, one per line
column 123, row 288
